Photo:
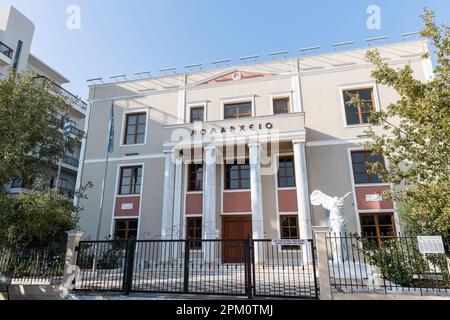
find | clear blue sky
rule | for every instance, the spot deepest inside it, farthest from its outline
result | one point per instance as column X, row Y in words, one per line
column 126, row 36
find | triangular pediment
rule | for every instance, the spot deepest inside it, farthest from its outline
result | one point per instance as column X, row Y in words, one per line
column 235, row 75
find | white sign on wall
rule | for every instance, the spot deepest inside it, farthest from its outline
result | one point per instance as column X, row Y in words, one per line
column 127, row 206
column 374, row 197
column 288, row 242
column 430, row 244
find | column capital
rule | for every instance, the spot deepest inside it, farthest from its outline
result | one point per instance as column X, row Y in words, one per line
column 254, row 145
column 298, row 141
column 75, row 233
column 166, row 152
column 210, row 147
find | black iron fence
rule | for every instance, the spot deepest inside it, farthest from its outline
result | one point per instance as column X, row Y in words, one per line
column 33, row 266
column 392, row 265
column 211, row 267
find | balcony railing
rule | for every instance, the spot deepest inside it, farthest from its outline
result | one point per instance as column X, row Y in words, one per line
column 70, row 161
column 7, row 51
column 76, row 132
column 73, row 130
column 74, row 100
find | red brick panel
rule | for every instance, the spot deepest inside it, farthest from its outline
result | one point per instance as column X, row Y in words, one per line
column 194, row 204
column 287, row 201
column 237, row 202
column 363, row 204
column 127, row 206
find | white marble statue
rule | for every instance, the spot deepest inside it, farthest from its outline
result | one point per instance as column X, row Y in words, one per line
column 337, row 222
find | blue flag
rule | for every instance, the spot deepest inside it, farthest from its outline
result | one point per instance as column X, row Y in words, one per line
column 111, row 131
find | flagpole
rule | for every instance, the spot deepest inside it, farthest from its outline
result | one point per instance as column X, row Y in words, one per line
column 108, row 150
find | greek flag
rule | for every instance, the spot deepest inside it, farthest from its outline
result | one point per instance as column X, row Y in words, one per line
column 111, row 131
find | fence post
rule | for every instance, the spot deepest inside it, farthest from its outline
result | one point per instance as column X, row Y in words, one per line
column 187, row 248
column 324, row 268
column 73, row 240
column 129, row 266
column 248, row 268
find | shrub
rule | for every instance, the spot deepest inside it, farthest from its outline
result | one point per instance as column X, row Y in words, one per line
column 109, row 260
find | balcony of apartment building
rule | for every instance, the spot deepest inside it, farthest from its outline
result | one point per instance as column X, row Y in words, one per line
column 74, row 101
column 6, row 54
column 71, row 162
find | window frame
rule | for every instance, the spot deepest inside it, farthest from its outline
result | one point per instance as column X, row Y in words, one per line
column 120, row 185
column 238, row 115
column 378, row 237
column 125, row 127
column 280, row 158
column 194, row 107
column 127, row 230
column 237, row 100
column 189, row 176
column 367, row 154
column 358, row 86
column 289, row 104
column 297, row 226
column 195, row 244
column 226, row 179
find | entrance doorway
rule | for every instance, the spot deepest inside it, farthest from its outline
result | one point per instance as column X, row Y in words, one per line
column 235, row 228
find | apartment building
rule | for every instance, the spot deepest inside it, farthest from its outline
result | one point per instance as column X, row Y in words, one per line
column 235, row 151
column 16, row 36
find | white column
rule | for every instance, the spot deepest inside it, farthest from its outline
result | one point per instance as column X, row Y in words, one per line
column 209, row 203
column 177, row 223
column 167, row 218
column 256, row 190
column 209, row 194
column 296, row 94
column 301, row 181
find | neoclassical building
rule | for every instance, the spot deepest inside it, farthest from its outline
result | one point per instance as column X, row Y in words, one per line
column 235, row 151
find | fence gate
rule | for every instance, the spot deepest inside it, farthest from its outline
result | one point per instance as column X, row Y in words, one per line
column 248, row 268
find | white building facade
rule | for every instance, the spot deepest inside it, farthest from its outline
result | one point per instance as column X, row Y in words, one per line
column 235, row 152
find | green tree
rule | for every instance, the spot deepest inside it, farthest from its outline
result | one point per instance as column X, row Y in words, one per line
column 31, row 114
column 31, row 117
column 36, row 219
column 416, row 136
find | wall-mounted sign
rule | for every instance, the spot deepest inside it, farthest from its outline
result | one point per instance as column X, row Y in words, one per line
column 288, row 242
column 432, row 244
column 127, row 206
column 374, row 197
column 233, row 129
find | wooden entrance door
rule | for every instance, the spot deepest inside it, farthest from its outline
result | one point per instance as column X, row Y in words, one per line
column 235, row 228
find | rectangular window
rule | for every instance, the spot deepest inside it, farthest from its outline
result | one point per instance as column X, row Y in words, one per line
column 280, row 105
column 237, row 176
column 194, row 233
column 289, row 230
column 360, row 159
column 237, row 110
column 197, row 114
column 135, row 127
column 377, row 227
column 358, row 113
column 17, row 57
column 195, row 177
column 130, row 180
column 126, row 229
column 286, row 172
